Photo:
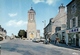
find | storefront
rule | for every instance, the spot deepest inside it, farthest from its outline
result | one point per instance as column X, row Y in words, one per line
column 62, row 35
column 74, row 37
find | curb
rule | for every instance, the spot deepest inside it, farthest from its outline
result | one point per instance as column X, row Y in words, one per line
column 66, row 46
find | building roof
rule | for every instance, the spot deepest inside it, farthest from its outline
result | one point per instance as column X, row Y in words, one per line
column 70, row 2
column 5, row 31
column 2, row 29
column 61, row 6
column 31, row 10
column 50, row 21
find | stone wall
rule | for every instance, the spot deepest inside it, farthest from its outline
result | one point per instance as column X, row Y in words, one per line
column 70, row 15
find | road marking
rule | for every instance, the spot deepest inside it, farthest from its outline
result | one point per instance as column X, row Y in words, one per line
column 74, row 53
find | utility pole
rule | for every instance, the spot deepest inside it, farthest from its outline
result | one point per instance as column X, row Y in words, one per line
column 44, row 27
column 44, row 23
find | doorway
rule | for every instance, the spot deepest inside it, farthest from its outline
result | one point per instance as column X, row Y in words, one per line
column 77, row 40
column 31, row 36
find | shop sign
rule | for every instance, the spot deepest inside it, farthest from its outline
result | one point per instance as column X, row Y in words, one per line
column 74, row 30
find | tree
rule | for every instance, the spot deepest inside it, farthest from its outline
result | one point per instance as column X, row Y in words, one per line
column 22, row 33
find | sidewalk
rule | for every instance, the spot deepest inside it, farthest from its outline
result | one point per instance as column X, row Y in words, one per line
column 66, row 46
column 4, row 41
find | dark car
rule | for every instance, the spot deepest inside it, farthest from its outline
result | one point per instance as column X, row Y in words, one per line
column 46, row 42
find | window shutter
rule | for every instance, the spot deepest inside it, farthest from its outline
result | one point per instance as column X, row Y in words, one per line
column 71, row 23
column 76, row 21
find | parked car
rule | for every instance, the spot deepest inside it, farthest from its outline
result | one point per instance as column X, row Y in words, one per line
column 36, row 40
column 42, row 40
column 46, row 42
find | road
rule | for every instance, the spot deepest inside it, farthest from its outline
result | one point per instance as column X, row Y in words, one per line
column 22, row 47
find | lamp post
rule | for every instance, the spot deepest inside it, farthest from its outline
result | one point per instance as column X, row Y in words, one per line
column 49, row 33
column 44, row 23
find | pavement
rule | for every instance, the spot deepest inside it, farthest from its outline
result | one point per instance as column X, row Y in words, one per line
column 27, row 47
column 66, row 46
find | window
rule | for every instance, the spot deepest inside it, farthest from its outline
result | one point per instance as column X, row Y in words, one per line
column 73, row 8
column 71, row 23
column 74, row 22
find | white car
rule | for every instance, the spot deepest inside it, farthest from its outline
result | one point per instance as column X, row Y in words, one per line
column 36, row 40
column 42, row 40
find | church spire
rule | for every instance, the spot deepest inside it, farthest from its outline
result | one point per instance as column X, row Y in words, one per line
column 31, row 26
column 31, row 10
column 31, row 6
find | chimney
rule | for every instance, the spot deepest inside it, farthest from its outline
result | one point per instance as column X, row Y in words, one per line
column 61, row 8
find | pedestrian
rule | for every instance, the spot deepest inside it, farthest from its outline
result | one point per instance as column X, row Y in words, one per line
column 49, row 40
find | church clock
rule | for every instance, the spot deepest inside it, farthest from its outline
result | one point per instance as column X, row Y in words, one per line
column 31, row 26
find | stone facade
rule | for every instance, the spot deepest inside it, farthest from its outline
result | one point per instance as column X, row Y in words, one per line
column 73, row 22
column 73, row 9
column 31, row 26
column 59, row 21
column 2, row 32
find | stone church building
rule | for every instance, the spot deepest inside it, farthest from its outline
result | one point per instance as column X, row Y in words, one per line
column 31, row 26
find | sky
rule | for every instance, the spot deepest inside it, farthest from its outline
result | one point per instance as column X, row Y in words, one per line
column 14, row 13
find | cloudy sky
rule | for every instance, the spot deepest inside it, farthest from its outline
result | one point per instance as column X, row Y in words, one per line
column 14, row 13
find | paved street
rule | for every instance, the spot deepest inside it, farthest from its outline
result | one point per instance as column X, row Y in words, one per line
column 25, row 47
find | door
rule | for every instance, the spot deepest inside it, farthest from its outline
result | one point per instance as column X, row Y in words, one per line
column 31, row 36
column 77, row 40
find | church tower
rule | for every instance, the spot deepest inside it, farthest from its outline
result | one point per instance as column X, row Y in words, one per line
column 31, row 25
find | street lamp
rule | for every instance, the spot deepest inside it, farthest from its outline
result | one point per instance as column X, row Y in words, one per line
column 44, row 27
column 44, row 23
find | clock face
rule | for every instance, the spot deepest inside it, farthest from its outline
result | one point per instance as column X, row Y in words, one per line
column 31, row 19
